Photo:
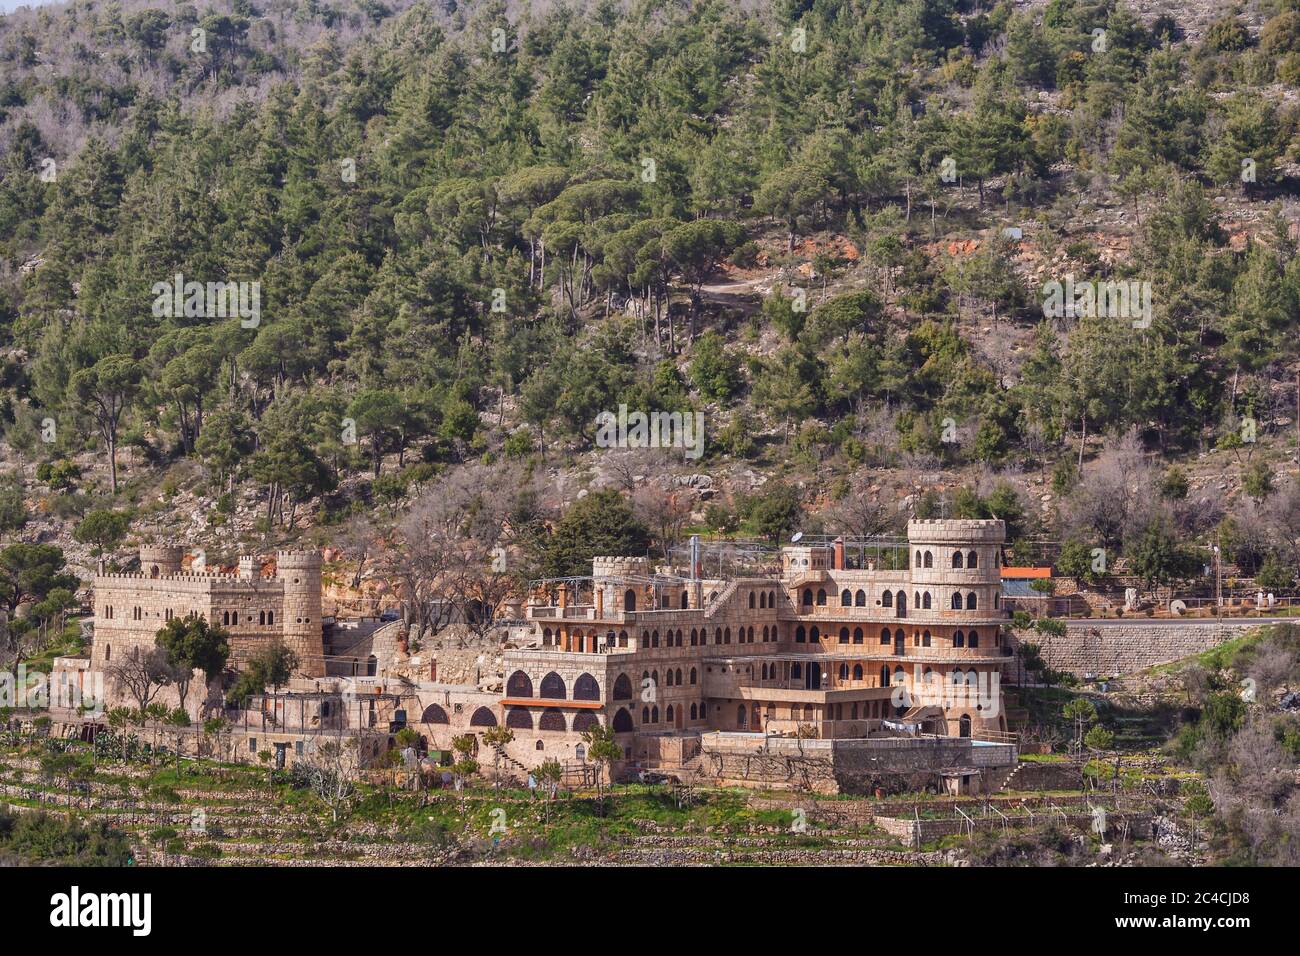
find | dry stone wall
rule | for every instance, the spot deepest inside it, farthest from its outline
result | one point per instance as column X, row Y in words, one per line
column 1099, row 649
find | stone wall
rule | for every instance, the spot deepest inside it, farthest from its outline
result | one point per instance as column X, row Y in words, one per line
column 891, row 765
column 1097, row 649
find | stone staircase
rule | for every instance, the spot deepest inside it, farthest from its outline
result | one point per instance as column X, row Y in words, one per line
column 505, row 760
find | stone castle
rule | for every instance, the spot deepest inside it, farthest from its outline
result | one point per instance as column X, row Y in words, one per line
column 255, row 610
column 822, row 650
column 883, row 657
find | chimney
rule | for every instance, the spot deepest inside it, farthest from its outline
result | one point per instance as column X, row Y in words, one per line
column 837, row 561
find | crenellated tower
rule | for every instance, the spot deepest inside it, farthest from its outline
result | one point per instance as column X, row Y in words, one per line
column 299, row 573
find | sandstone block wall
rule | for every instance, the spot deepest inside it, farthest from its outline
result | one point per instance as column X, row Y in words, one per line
column 1113, row 648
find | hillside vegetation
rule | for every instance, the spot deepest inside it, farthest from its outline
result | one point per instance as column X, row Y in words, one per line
column 827, row 225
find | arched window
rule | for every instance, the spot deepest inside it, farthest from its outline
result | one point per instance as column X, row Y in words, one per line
column 972, row 560
column 726, row 635
column 372, row 668
column 800, row 636
column 622, row 688
column 519, row 685
column 645, row 715
column 925, row 638
column 857, row 635
column 814, row 635
column 956, row 559
column 884, row 675
column 918, row 557
column 695, row 709
column 552, row 719
column 483, row 718
column 629, row 604
column 742, row 717
column 584, row 720
column 668, row 714
column 887, row 599
column 751, row 599
column 973, row 639
column 884, row 635
column 844, row 672
column 519, row 718
column 956, row 601
column 971, row 601
column 959, row 639
column 807, row 597
column 860, row 598
column 796, row 671
column 821, row 597
column 685, row 601
column 857, row 672
column 270, row 618
column 433, row 714
column 844, row 635
column 553, row 687
column 586, row 688
column 771, row 599
column 846, row 598
column 929, row 559
column 925, row 600
column 694, row 676
column 654, row 714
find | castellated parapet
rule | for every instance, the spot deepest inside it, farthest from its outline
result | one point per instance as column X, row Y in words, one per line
column 609, row 566
column 955, row 531
column 130, row 609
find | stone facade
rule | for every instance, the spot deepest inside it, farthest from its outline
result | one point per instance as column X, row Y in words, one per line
column 822, row 649
column 131, row 608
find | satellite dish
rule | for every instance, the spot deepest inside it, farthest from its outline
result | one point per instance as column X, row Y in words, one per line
column 1178, row 607
column 798, row 536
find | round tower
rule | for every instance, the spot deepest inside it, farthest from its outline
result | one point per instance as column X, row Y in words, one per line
column 299, row 575
column 959, row 556
column 160, row 560
column 616, row 596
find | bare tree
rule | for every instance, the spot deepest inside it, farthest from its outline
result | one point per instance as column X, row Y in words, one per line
column 142, row 674
column 665, row 511
column 331, row 771
column 452, row 551
column 861, row 514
